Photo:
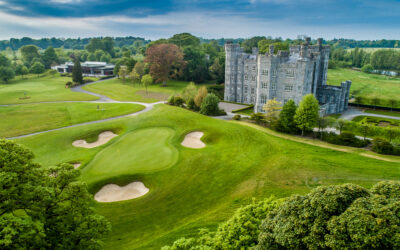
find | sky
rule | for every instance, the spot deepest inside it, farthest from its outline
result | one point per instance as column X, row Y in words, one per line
column 153, row 19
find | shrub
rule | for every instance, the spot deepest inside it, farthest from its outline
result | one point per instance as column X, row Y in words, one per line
column 237, row 117
column 178, row 101
column 87, row 80
column 69, row 84
column 381, row 146
column 209, row 105
column 258, row 118
column 367, row 68
column 171, row 100
column 345, row 139
column 190, row 104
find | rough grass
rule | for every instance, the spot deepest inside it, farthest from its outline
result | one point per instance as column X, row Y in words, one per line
column 120, row 90
column 30, row 118
column 368, row 86
column 205, row 185
column 47, row 88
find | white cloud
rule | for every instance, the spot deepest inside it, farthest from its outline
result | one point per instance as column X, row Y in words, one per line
column 65, row 1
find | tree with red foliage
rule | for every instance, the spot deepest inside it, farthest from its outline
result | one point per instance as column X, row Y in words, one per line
column 165, row 61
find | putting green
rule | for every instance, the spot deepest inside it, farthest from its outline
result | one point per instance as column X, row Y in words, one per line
column 138, row 152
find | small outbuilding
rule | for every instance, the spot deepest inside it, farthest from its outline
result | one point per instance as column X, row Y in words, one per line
column 88, row 68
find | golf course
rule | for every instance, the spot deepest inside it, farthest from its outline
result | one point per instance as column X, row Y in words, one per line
column 190, row 171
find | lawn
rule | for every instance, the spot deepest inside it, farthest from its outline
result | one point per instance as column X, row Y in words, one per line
column 204, row 186
column 377, row 121
column 119, row 90
column 47, row 88
column 30, row 118
column 380, row 112
column 368, row 86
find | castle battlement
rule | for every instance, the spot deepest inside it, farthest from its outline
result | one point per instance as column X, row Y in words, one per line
column 254, row 78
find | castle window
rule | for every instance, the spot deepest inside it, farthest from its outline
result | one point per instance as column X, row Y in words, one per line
column 252, row 91
column 263, row 99
column 290, row 73
column 245, row 89
column 264, row 72
column 264, row 85
column 246, row 77
column 274, row 73
column 252, row 99
column 285, row 101
column 253, row 78
column 245, row 99
column 273, row 86
column 254, row 68
column 288, row 88
column 247, row 67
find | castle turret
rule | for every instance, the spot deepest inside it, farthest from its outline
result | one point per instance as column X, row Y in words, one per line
column 271, row 49
column 232, row 52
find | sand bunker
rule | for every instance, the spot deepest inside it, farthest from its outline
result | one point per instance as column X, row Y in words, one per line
column 192, row 140
column 104, row 137
column 112, row 192
column 76, row 165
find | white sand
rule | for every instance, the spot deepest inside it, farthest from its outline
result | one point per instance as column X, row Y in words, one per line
column 192, row 140
column 104, row 137
column 112, row 192
column 76, row 165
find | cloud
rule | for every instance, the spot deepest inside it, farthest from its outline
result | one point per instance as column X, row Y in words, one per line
column 65, row 1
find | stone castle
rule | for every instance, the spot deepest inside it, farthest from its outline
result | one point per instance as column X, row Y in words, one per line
column 255, row 78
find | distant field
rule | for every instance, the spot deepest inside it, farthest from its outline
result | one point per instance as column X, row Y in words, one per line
column 127, row 91
column 368, row 86
column 49, row 87
column 30, row 118
column 373, row 49
column 379, row 112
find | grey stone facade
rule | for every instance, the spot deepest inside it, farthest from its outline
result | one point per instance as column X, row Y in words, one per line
column 255, row 78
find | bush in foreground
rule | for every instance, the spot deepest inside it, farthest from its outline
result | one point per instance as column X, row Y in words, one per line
column 209, row 106
column 44, row 208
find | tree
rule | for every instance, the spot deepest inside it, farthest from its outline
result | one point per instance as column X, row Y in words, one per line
column 189, row 92
column 322, row 123
column 37, row 68
column 6, row 73
column 196, row 68
column 217, row 70
column 201, row 94
column 94, row 44
column 21, row 70
column 98, row 54
column 123, row 71
column 29, row 52
column 392, row 103
column 209, row 105
column 335, row 217
column 147, row 80
column 56, row 206
column 4, row 61
column 165, row 61
column 138, row 71
column 286, row 117
column 77, row 72
column 340, row 124
column 184, row 40
column 307, row 114
column 365, row 129
column 272, row 110
column 49, row 57
column 375, row 101
column 367, row 68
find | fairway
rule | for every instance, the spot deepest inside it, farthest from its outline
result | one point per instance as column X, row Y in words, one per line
column 30, row 118
column 200, row 187
column 142, row 151
column 48, row 88
column 120, row 90
column 368, row 86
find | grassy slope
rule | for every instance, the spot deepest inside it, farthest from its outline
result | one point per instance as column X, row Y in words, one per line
column 206, row 185
column 50, row 87
column 41, row 117
column 367, row 85
column 126, row 91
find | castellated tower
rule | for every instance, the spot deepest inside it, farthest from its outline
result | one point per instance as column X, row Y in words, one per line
column 256, row 78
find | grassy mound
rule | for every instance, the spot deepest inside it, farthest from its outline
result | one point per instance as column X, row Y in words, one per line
column 50, row 87
column 205, row 185
column 54, row 115
column 126, row 91
column 138, row 152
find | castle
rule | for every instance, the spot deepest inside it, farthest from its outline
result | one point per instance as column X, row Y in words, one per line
column 255, row 78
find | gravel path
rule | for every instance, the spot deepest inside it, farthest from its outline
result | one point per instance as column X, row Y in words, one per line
column 102, row 99
column 351, row 113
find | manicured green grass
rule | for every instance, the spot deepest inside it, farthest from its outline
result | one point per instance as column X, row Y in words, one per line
column 369, row 50
column 138, row 152
column 119, row 90
column 29, row 118
column 50, row 87
column 205, row 185
column 368, row 86
column 380, row 112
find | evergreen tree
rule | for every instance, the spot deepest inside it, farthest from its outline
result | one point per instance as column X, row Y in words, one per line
column 77, row 72
column 209, row 106
column 307, row 114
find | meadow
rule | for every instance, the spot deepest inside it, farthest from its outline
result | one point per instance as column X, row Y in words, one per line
column 368, row 86
column 121, row 90
column 30, row 118
column 48, row 87
column 198, row 188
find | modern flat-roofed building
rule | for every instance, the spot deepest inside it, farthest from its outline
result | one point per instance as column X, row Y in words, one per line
column 88, row 68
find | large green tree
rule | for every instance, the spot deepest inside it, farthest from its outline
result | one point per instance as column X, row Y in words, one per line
column 286, row 117
column 29, row 52
column 307, row 114
column 209, row 106
column 37, row 68
column 50, row 57
column 184, row 39
column 6, row 71
column 44, row 208
column 77, row 72
column 336, row 217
